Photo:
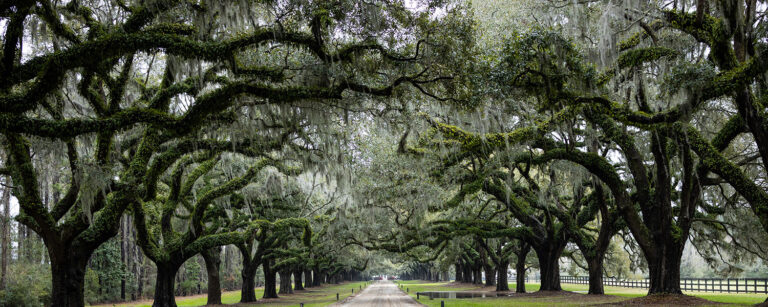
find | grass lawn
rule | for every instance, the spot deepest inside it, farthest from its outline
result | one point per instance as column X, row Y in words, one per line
column 321, row 296
column 614, row 295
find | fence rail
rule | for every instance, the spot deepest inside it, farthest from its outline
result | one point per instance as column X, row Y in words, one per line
column 724, row 285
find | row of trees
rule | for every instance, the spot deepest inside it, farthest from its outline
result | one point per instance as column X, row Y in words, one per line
column 601, row 120
column 154, row 121
column 181, row 127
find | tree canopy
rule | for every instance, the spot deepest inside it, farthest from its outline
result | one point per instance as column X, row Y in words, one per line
column 334, row 140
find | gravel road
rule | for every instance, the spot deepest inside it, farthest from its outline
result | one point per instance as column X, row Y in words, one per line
column 380, row 294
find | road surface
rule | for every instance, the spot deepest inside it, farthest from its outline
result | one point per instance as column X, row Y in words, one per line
column 380, row 294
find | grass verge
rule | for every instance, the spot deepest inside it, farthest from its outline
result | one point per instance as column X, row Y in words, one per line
column 613, row 295
column 319, row 296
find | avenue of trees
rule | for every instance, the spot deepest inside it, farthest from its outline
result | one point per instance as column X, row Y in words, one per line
column 156, row 148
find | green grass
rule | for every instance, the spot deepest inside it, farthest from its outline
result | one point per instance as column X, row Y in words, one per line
column 326, row 295
column 313, row 297
column 614, row 294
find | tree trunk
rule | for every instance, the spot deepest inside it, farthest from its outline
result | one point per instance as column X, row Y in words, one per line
column 212, row 258
column 317, row 277
column 522, row 254
column 140, row 275
column 459, row 278
column 595, row 268
column 20, row 243
column 478, row 275
column 502, row 284
column 550, row 268
column 490, row 275
column 664, row 271
column 6, row 235
column 164, row 285
column 123, row 252
column 68, row 278
column 520, row 278
column 297, row 284
column 270, row 280
column 247, row 293
column 308, row 278
column 468, row 273
column 285, row 282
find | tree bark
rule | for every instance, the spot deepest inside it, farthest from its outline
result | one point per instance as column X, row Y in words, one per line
column 165, row 285
column 123, row 256
column 285, row 282
column 664, row 270
column 550, row 266
column 468, row 273
column 477, row 275
column 297, row 282
column 212, row 258
column 595, row 268
column 270, row 280
column 247, row 293
column 68, row 278
column 317, row 277
column 490, row 275
column 308, row 280
column 459, row 277
column 502, row 283
column 6, row 234
column 520, row 271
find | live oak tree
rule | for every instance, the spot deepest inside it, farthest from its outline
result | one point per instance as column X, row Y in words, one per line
column 660, row 237
column 594, row 118
column 175, row 227
column 75, row 75
column 277, row 209
column 695, row 93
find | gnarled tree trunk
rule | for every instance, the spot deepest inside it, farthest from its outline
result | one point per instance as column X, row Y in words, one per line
column 477, row 275
column 520, row 268
column 5, row 233
column 297, row 284
column 247, row 293
column 468, row 273
column 308, row 278
column 165, row 284
column 502, row 283
column 595, row 268
column 212, row 263
column 285, row 282
column 550, row 266
column 68, row 278
column 270, row 280
column 664, row 269
column 317, row 277
column 490, row 275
